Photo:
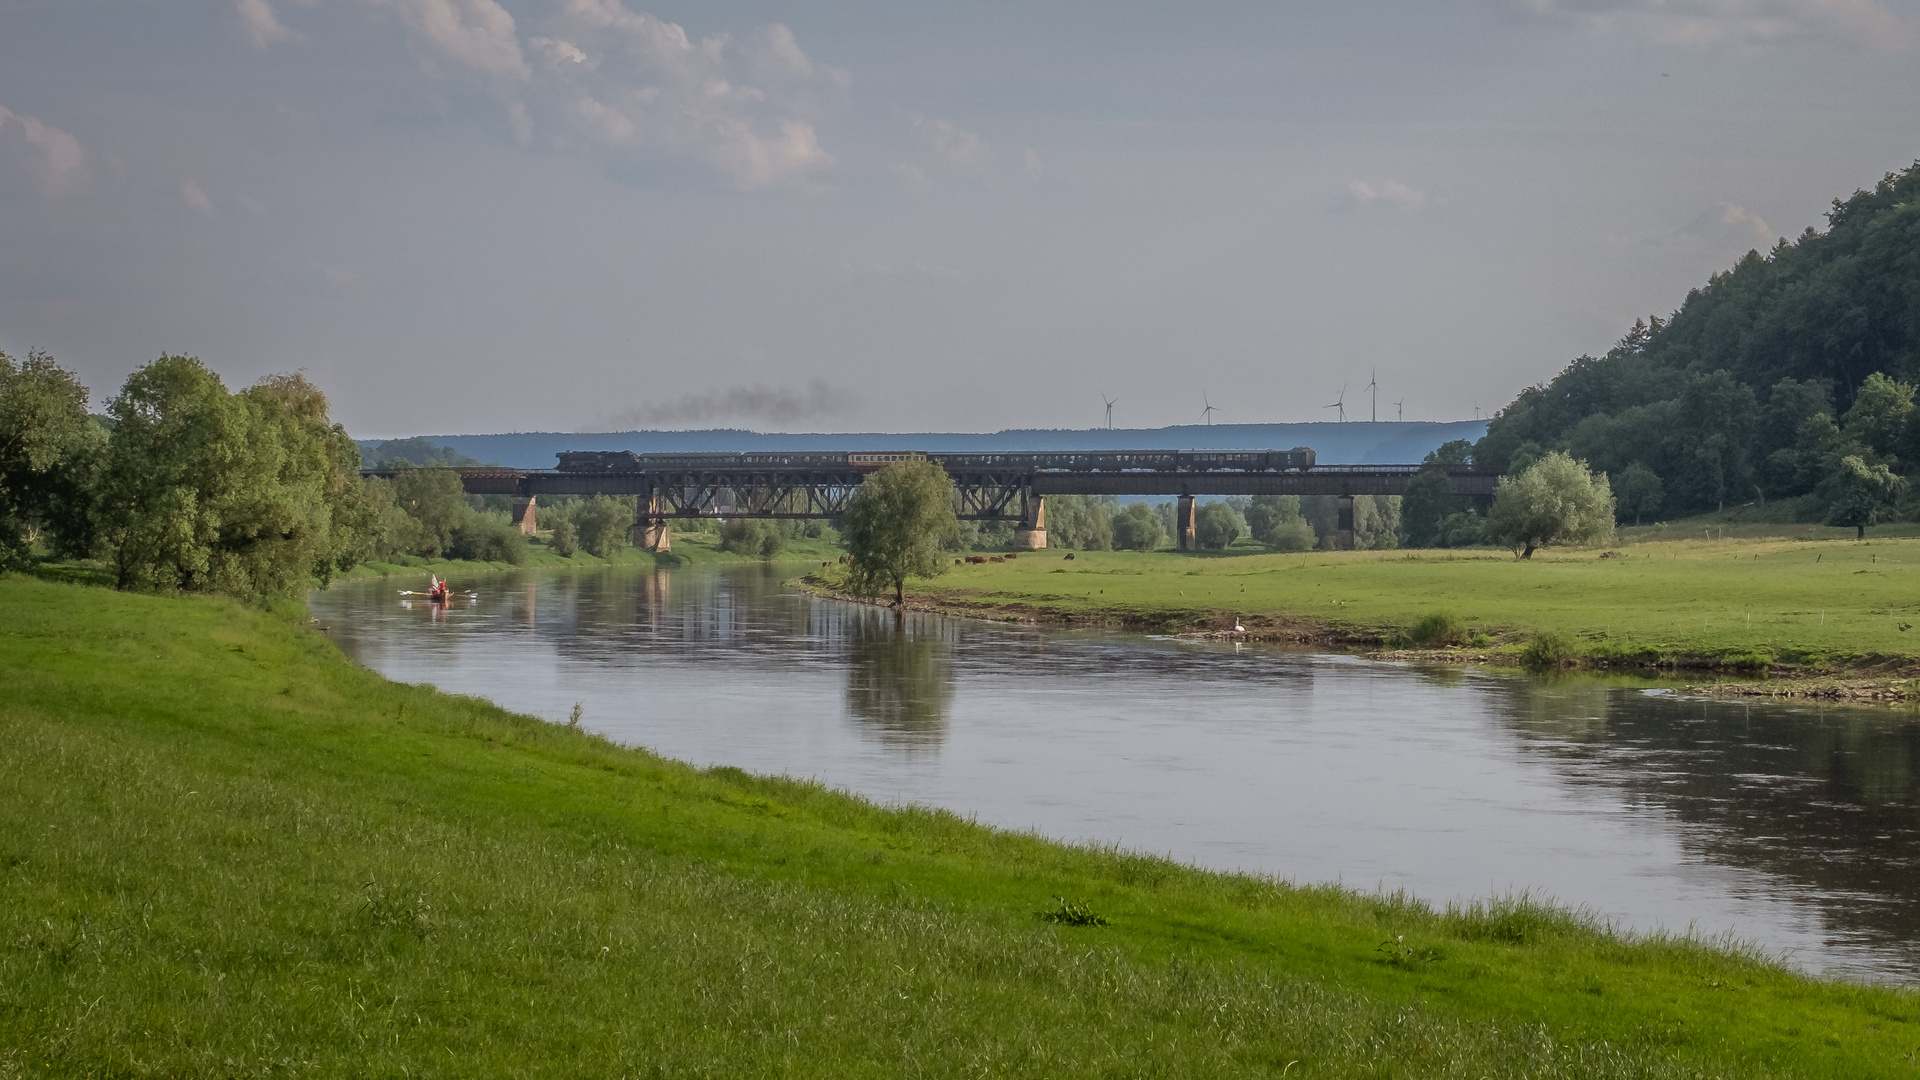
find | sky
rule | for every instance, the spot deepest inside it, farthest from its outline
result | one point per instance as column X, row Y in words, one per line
column 589, row 215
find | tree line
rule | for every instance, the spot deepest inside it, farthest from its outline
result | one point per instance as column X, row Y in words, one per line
column 1787, row 380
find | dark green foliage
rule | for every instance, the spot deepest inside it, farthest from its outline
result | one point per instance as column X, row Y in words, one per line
column 1859, row 494
column 605, row 523
column 752, row 537
column 1138, row 527
column 1080, row 522
column 1548, row 651
column 417, row 451
column 250, row 494
column 565, row 539
column 1217, row 525
column 50, row 455
column 1428, row 502
column 1637, row 491
column 1823, row 323
column 1437, row 630
column 425, row 513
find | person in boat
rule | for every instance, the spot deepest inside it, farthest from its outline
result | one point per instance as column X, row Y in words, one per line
column 438, row 591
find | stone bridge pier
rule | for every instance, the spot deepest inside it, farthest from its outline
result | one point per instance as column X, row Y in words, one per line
column 1032, row 532
column 1185, row 536
column 1343, row 523
column 525, row 517
column 651, row 531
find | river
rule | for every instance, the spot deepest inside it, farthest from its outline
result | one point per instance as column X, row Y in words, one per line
column 1793, row 828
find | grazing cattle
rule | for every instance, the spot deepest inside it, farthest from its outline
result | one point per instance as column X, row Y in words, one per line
column 976, row 558
column 1069, row 556
column 956, row 562
column 995, row 558
column 1011, row 556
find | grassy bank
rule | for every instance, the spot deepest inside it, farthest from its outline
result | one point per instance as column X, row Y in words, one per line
column 1781, row 605
column 228, row 851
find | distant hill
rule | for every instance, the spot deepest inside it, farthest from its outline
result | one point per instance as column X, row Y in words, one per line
column 1358, row 443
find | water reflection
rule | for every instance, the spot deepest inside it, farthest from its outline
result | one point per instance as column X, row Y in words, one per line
column 899, row 676
column 1823, row 801
column 1795, row 827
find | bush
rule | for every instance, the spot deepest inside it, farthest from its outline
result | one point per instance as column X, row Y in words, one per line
column 1216, row 526
column 488, row 538
column 1548, row 651
column 566, row 539
column 751, row 537
column 1437, row 631
column 1293, row 534
column 1555, row 501
column 604, row 524
column 1138, row 528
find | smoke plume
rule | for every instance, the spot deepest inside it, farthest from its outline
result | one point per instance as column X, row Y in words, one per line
column 776, row 405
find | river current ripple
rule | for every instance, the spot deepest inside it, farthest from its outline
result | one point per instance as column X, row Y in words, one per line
column 1792, row 828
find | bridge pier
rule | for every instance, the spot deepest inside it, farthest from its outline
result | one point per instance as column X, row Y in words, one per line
column 525, row 517
column 1185, row 536
column 1343, row 524
column 652, row 532
column 1032, row 532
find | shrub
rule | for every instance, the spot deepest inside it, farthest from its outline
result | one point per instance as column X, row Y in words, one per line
column 751, row 537
column 604, row 524
column 1548, row 651
column 1138, row 528
column 488, row 538
column 1293, row 534
column 1217, row 525
column 566, row 539
column 1437, row 630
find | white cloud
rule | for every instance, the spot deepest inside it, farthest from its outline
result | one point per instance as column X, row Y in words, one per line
column 1732, row 24
column 955, row 147
column 55, row 155
column 1391, row 194
column 625, row 80
column 260, row 24
column 191, row 194
column 1727, row 225
column 474, row 37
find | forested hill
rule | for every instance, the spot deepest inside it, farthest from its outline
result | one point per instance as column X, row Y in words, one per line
column 1720, row 401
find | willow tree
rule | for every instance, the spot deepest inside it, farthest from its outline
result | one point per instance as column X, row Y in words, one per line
column 895, row 524
column 1555, row 501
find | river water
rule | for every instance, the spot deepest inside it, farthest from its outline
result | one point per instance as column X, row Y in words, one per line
column 1794, row 828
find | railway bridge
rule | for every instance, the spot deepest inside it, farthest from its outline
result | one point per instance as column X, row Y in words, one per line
column 988, row 487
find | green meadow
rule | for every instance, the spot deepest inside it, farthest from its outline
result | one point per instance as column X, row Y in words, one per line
column 1809, row 602
column 225, row 850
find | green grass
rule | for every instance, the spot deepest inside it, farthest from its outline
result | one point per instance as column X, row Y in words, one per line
column 1826, row 602
column 227, row 851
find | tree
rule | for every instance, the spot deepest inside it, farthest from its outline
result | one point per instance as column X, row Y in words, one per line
column 1428, row 501
column 751, row 537
column 50, row 450
column 1878, row 418
column 1080, row 522
column 249, row 494
column 1638, row 491
column 1138, row 528
column 1555, row 501
column 1859, row 494
column 895, row 523
column 1216, row 526
column 605, row 523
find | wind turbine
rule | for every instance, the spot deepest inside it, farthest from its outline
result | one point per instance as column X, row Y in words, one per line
column 1340, row 403
column 1206, row 414
column 1400, row 410
column 1373, row 384
column 1109, row 401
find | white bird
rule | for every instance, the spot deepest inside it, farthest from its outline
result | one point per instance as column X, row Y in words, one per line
column 1237, row 628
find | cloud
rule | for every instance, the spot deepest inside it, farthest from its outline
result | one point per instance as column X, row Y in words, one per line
column 54, row 156
column 1392, row 195
column 602, row 78
column 953, row 146
column 260, row 24
column 474, row 37
column 191, row 194
column 1727, row 225
column 1731, row 24
column 626, row 81
column 777, row 405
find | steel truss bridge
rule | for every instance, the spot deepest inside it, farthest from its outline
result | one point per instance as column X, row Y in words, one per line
column 988, row 487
